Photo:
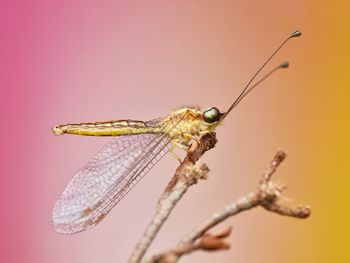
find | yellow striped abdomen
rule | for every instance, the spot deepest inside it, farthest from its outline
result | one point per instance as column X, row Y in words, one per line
column 108, row 128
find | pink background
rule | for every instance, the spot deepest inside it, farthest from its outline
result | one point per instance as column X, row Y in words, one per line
column 75, row 61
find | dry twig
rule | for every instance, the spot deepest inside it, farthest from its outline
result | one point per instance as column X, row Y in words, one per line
column 265, row 195
column 187, row 174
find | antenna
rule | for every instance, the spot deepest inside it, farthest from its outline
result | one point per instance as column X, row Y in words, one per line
column 283, row 65
column 245, row 90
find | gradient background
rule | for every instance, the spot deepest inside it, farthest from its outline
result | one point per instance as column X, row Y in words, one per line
column 75, row 61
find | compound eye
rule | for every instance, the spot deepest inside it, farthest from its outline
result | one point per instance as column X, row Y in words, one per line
column 211, row 115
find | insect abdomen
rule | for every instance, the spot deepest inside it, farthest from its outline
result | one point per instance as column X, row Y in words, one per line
column 108, row 128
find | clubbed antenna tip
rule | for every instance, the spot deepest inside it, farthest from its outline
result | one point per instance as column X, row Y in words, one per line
column 296, row 34
column 284, row 64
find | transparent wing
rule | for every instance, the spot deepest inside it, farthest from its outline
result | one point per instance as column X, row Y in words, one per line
column 105, row 180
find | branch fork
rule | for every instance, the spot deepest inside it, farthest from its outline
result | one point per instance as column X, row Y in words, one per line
column 266, row 195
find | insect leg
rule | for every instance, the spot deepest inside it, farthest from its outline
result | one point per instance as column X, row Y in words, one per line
column 174, row 144
column 189, row 137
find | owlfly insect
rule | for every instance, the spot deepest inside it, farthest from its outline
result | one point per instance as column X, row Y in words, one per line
column 135, row 148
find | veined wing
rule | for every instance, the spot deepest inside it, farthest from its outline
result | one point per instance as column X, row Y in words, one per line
column 98, row 186
column 107, row 177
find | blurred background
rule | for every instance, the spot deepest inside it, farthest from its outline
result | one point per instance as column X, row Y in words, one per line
column 77, row 61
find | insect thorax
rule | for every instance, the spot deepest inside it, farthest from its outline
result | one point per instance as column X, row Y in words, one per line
column 185, row 124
